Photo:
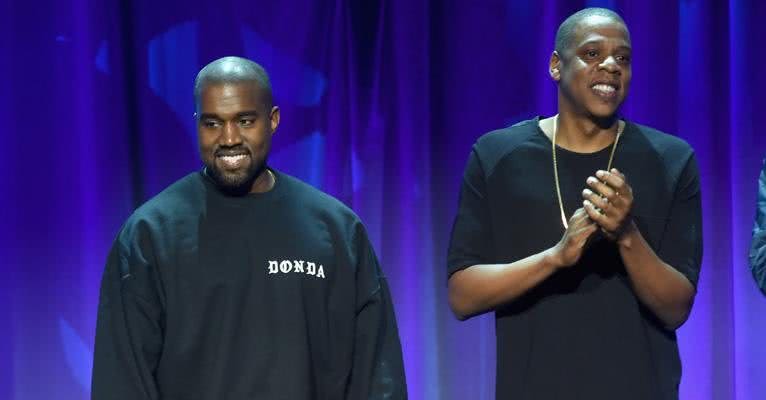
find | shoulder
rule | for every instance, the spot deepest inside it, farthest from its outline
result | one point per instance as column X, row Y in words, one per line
column 669, row 147
column 177, row 201
column 313, row 204
column 302, row 194
column 493, row 146
column 505, row 140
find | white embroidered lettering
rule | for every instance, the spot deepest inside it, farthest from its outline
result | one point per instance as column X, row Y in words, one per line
column 285, row 266
column 298, row 265
column 273, row 267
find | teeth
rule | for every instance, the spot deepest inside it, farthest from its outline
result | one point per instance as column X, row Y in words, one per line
column 604, row 88
column 233, row 160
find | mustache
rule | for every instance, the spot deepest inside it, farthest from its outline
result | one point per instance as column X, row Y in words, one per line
column 231, row 151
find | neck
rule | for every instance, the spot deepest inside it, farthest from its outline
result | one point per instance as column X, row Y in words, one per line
column 264, row 182
column 584, row 134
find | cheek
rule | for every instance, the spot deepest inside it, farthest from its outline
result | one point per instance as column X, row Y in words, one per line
column 258, row 138
column 206, row 145
column 574, row 78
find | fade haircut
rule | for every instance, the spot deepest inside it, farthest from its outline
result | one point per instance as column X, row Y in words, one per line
column 567, row 31
column 233, row 70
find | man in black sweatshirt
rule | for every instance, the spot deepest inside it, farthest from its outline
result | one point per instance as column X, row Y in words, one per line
column 241, row 282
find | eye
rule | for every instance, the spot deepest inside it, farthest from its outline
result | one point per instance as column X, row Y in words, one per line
column 591, row 53
column 210, row 123
column 623, row 59
column 247, row 122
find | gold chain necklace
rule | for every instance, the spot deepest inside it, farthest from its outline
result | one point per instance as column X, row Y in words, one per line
column 556, row 166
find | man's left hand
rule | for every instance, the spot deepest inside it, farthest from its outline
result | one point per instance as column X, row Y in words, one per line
column 608, row 201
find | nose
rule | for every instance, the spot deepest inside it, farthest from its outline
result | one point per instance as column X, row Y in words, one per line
column 230, row 135
column 609, row 64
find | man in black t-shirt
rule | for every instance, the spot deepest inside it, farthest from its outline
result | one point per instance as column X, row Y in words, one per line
column 241, row 282
column 582, row 232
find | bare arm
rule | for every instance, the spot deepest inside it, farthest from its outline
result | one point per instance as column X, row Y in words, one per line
column 659, row 286
column 481, row 288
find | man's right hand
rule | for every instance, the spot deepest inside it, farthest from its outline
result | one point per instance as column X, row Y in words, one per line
column 571, row 246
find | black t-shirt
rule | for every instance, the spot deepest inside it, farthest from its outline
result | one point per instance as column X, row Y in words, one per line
column 582, row 333
column 265, row 296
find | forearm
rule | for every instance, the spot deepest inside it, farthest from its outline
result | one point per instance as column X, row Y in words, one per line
column 660, row 287
column 378, row 366
column 129, row 340
column 481, row 288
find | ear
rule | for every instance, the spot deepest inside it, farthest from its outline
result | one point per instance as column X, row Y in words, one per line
column 554, row 66
column 274, row 118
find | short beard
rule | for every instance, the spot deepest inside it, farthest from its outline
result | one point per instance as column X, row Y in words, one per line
column 235, row 185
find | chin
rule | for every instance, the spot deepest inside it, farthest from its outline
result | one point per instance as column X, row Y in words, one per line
column 603, row 112
column 234, row 180
column 238, row 182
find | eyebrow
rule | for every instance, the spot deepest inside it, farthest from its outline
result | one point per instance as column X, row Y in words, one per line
column 248, row 113
column 597, row 41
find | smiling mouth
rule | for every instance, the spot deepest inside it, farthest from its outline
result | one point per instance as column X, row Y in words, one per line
column 233, row 161
column 605, row 90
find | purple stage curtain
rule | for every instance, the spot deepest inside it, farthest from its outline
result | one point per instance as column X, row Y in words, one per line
column 381, row 101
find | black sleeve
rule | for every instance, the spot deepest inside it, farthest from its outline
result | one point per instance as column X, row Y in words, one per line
column 683, row 234
column 129, row 329
column 757, row 255
column 471, row 242
column 378, row 369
